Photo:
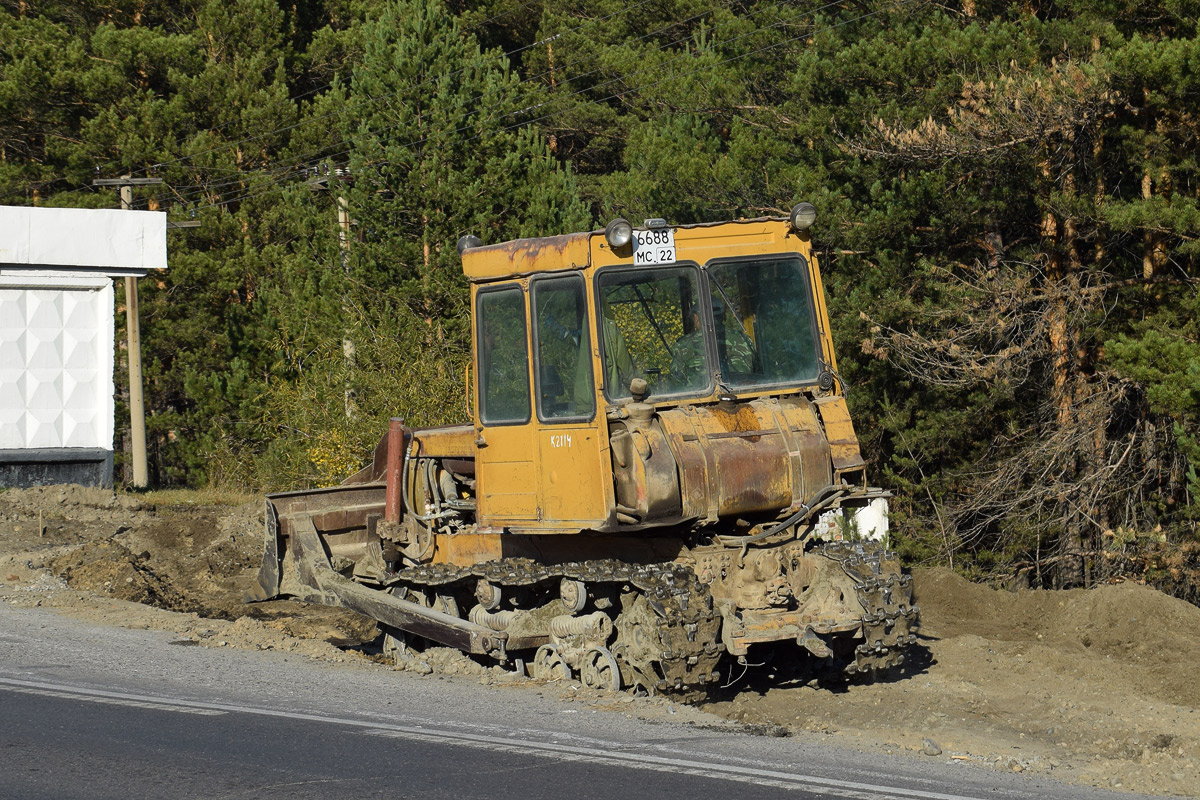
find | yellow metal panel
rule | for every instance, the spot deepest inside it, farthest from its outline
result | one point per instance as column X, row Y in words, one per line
column 505, row 465
column 702, row 243
column 466, row 549
column 818, row 288
column 457, row 441
column 843, row 443
column 507, row 475
column 573, row 477
column 525, row 256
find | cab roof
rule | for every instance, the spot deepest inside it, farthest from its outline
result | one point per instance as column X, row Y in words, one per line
column 522, row 256
column 575, row 250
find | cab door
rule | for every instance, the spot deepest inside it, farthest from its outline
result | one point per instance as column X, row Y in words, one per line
column 572, row 457
column 506, row 442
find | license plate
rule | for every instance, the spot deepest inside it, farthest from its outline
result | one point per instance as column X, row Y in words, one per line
column 654, row 246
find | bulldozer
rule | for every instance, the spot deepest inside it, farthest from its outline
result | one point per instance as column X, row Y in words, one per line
column 660, row 474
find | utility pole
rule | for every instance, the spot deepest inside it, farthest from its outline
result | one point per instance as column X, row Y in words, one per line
column 349, row 353
column 137, row 406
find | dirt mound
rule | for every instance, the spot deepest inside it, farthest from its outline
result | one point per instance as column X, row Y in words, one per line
column 110, row 568
column 77, row 503
column 1125, row 623
column 180, row 556
column 1094, row 686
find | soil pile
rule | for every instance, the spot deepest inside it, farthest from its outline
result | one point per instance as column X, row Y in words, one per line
column 68, row 546
column 1097, row 687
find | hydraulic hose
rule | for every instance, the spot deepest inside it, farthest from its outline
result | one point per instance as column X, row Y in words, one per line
column 820, row 500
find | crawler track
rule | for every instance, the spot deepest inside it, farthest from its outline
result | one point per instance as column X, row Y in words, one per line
column 665, row 634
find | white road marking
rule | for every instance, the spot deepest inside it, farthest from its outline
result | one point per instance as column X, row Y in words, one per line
column 612, row 753
column 114, row 701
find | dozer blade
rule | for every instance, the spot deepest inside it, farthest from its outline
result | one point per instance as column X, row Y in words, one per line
column 310, row 577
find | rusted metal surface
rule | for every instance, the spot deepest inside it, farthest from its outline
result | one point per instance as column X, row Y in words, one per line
column 342, row 511
column 338, row 508
column 393, row 459
column 843, row 443
column 451, row 441
column 776, row 593
column 469, row 548
column 525, row 256
column 325, row 586
column 266, row 585
column 644, row 472
column 745, row 457
column 759, row 627
column 808, row 449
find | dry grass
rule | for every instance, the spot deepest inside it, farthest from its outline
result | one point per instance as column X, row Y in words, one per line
column 199, row 497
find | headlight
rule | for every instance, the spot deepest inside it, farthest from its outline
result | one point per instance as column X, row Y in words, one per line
column 618, row 233
column 803, row 216
column 467, row 242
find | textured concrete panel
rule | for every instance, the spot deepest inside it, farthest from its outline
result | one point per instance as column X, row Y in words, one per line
column 56, row 364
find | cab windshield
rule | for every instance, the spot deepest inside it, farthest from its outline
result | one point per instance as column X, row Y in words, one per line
column 763, row 322
column 651, row 327
column 753, row 321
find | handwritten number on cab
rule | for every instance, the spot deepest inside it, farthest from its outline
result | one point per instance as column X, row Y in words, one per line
column 654, row 246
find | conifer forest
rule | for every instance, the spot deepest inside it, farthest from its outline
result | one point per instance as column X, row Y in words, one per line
column 1008, row 196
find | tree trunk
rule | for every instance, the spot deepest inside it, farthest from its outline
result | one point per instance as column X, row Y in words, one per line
column 1062, row 388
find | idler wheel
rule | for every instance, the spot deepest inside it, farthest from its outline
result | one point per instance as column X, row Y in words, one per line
column 600, row 671
column 548, row 665
column 573, row 594
column 488, row 594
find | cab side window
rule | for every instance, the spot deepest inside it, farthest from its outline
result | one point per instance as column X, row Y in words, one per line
column 503, row 357
column 565, row 390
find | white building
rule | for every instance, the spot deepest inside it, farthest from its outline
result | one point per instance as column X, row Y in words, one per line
column 57, row 336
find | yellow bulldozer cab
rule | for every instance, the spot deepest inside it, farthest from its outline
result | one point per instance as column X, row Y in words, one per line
column 562, row 327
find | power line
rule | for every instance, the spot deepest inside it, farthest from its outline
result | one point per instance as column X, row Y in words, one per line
column 325, row 153
column 617, row 95
column 313, row 158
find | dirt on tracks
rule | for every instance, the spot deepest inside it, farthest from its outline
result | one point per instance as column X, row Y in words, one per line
column 1100, row 687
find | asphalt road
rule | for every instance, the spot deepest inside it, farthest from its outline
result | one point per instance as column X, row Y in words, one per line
column 96, row 712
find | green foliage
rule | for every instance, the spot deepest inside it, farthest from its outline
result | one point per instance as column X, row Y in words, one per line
column 310, row 439
column 1008, row 219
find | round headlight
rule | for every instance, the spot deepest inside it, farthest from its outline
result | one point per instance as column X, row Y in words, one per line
column 467, row 242
column 618, row 233
column 803, row 216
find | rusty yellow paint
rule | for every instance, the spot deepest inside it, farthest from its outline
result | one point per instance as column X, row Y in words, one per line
column 557, row 477
column 702, row 243
column 755, row 456
column 452, row 441
column 527, row 256
column 818, row 287
column 843, row 443
column 465, row 549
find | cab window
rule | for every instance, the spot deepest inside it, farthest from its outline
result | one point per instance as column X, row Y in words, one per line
column 563, row 351
column 763, row 319
column 503, row 357
column 652, row 326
